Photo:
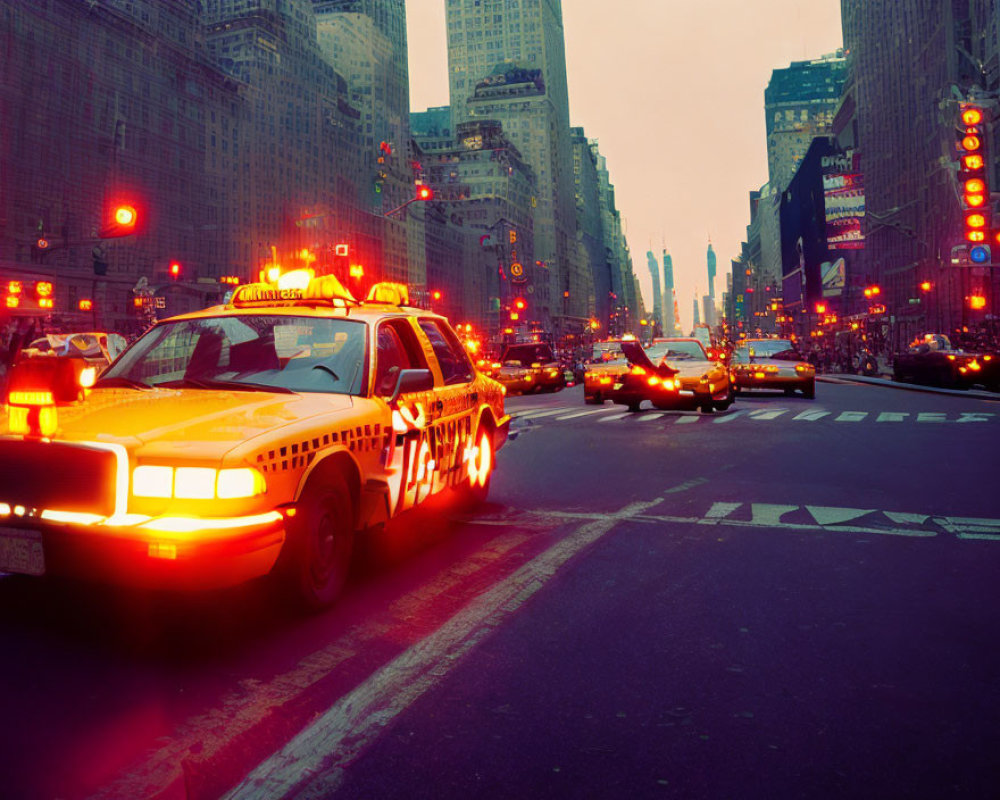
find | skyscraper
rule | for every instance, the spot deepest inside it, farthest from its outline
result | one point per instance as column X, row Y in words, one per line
column 654, row 272
column 506, row 61
column 669, row 296
column 710, row 305
column 799, row 103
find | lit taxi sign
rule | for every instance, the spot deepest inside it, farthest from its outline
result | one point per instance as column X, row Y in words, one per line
column 292, row 287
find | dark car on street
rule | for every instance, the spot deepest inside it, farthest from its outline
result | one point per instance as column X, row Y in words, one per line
column 546, row 371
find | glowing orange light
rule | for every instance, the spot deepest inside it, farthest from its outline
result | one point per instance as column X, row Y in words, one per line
column 973, row 161
column 971, row 142
column 125, row 215
column 976, row 220
column 974, row 200
column 514, row 316
column 972, row 116
column 357, row 271
column 13, row 301
column 43, row 289
column 821, row 308
column 31, row 398
column 975, row 236
column 86, row 305
column 975, row 185
column 926, row 286
column 425, row 193
column 14, row 287
column 45, row 302
column 175, row 269
column 436, row 295
column 42, row 244
column 977, row 302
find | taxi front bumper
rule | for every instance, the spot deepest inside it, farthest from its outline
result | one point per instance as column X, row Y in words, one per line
column 686, row 398
column 164, row 553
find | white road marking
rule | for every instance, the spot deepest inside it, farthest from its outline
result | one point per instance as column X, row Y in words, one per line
column 831, row 515
column 615, row 416
column 932, row 416
column 729, row 417
column 976, row 417
column 648, row 415
column 586, row 413
column 812, row 416
column 772, row 413
column 892, row 416
column 535, row 413
column 907, row 519
column 851, row 416
column 768, row 514
column 718, row 511
column 687, row 419
column 312, row 762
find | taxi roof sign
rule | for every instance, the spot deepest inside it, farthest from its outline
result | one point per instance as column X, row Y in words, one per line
column 396, row 294
column 324, row 289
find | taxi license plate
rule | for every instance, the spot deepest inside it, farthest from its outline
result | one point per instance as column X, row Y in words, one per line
column 21, row 551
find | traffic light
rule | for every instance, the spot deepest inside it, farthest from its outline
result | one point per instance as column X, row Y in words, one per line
column 520, row 304
column 975, row 193
column 873, row 291
column 86, row 305
column 424, row 192
column 123, row 219
column 175, row 269
column 821, row 308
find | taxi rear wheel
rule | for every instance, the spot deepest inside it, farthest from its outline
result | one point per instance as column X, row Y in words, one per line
column 593, row 400
column 809, row 390
column 320, row 543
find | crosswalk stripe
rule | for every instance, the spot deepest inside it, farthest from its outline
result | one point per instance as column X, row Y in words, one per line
column 651, row 415
column 851, row 416
column 586, row 413
column 615, row 416
column 772, row 413
column 687, row 420
column 812, row 415
column 892, row 416
column 544, row 412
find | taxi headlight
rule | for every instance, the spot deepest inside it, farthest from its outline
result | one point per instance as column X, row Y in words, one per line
column 241, row 482
column 197, row 483
column 194, row 483
column 153, row 481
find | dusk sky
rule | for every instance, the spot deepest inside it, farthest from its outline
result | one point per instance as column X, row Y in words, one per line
column 673, row 90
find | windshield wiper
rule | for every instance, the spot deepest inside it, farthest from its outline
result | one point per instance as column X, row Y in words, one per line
column 117, row 380
column 239, row 386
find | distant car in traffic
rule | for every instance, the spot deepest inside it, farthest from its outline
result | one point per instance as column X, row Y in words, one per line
column 546, row 371
column 933, row 360
column 772, row 364
column 673, row 374
column 96, row 347
column 515, row 377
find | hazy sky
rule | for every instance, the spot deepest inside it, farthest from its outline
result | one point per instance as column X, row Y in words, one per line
column 673, row 90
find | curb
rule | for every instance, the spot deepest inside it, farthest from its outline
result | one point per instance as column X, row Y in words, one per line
column 846, row 377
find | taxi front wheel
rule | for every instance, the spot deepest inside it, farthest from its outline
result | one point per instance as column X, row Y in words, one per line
column 476, row 489
column 320, row 542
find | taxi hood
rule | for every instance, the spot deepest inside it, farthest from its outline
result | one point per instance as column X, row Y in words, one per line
column 189, row 419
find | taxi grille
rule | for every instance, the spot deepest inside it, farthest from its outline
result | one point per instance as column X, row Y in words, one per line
column 54, row 475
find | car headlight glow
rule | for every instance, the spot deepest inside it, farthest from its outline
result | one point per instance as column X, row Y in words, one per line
column 194, row 483
column 240, row 482
column 197, row 483
column 150, row 481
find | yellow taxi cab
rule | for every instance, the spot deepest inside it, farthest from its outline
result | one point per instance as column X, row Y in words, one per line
column 244, row 439
column 772, row 364
column 607, row 365
column 544, row 369
column 515, row 377
column 674, row 373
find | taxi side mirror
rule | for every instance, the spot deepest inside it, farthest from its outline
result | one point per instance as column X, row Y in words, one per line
column 412, row 380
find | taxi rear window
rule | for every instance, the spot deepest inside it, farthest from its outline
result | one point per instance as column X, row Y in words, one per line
column 255, row 351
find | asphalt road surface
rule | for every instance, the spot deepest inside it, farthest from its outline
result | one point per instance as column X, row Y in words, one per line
column 793, row 598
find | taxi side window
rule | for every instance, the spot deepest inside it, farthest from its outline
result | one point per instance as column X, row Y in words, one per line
column 390, row 358
column 455, row 364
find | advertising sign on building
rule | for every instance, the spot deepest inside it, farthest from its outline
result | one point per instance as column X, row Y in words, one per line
column 834, row 274
column 844, row 196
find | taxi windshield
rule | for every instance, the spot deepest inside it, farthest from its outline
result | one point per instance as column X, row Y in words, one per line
column 251, row 352
column 677, row 351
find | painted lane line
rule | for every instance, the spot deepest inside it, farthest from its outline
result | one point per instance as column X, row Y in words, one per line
column 983, row 416
column 615, row 416
column 535, row 414
column 648, row 415
column 971, row 527
column 310, row 765
column 811, row 416
column 892, row 416
column 717, row 512
column 772, row 413
column 932, row 416
column 851, row 416
column 687, row 420
column 586, row 413
column 769, row 514
column 907, row 519
column 830, row 515
column 729, row 417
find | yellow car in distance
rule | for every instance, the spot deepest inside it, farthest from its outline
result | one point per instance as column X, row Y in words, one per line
column 772, row 364
column 246, row 439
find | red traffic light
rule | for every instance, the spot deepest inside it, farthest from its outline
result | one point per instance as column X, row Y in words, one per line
column 123, row 221
column 821, row 308
column 435, row 295
column 424, row 192
column 42, row 243
column 519, row 304
column 972, row 115
column 175, row 269
column 86, row 305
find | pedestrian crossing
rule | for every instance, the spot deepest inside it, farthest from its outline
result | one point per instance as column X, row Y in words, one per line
column 610, row 414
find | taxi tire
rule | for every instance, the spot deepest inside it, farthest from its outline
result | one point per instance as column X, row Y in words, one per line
column 320, row 542
column 730, row 399
column 593, row 400
column 809, row 390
